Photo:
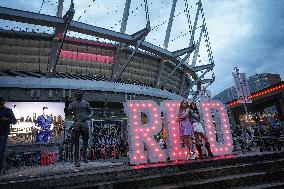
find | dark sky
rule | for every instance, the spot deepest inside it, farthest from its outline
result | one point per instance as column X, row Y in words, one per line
column 252, row 38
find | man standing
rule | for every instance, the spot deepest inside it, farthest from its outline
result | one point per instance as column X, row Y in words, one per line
column 81, row 112
column 44, row 126
column 6, row 119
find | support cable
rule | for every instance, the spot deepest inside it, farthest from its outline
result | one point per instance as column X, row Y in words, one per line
column 147, row 11
column 41, row 6
column 86, row 10
column 187, row 11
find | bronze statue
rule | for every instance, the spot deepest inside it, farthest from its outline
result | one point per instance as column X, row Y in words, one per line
column 81, row 112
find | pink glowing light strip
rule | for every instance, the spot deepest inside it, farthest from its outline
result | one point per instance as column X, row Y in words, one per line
column 86, row 57
column 87, row 42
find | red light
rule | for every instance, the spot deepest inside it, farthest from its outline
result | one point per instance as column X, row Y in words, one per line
column 135, row 157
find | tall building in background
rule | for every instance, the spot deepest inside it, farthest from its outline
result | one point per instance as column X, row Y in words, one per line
column 261, row 81
column 256, row 82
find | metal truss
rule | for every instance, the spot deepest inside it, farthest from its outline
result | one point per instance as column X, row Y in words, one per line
column 139, row 37
column 186, row 51
column 55, row 49
column 124, row 40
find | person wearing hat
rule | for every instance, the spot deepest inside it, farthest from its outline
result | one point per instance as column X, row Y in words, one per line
column 6, row 119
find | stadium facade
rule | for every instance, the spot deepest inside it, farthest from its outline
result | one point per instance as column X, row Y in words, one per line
column 85, row 64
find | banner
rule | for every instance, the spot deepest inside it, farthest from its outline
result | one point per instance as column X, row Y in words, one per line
column 29, row 118
column 242, row 88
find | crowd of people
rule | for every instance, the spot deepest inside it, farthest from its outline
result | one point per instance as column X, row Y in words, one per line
column 259, row 130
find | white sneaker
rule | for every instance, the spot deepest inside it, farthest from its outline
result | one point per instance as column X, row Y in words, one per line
column 194, row 156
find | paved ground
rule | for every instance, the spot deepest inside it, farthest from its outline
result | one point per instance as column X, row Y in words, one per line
column 101, row 166
column 59, row 167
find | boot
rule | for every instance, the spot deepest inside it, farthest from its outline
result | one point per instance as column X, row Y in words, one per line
column 77, row 164
column 85, row 156
column 210, row 154
column 199, row 150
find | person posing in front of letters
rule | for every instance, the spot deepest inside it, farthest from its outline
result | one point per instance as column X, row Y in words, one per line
column 199, row 131
column 186, row 128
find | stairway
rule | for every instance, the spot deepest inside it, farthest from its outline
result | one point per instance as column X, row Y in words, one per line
column 254, row 171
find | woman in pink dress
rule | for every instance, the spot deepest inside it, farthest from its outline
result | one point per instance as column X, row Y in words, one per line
column 186, row 128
